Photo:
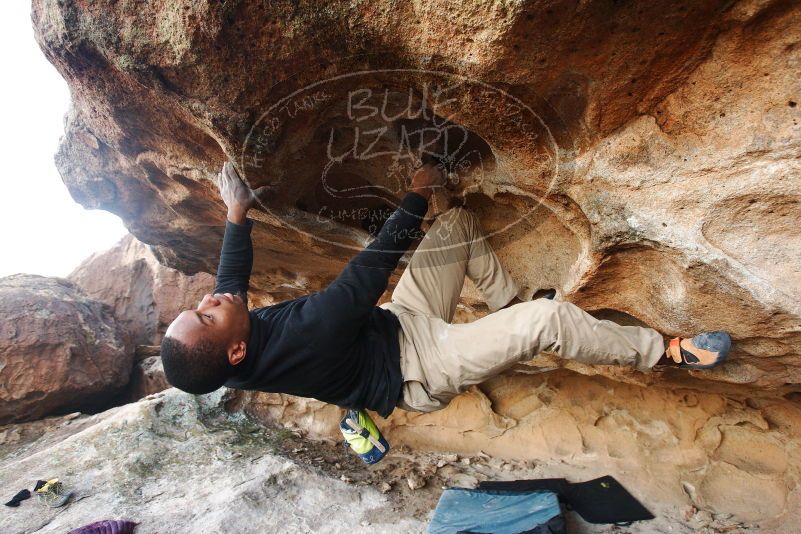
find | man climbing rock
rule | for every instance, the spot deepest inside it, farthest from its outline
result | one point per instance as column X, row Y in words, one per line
column 337, row 346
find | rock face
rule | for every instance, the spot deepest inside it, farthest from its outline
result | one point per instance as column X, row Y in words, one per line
column 179, row 463
column 175, row 463
column 145, row 295
column 59, row 350
column 148, row 377
column 642, row 158
column 691, row 457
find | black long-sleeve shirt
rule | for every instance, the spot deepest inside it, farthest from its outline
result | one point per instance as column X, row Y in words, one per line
column 335, row 345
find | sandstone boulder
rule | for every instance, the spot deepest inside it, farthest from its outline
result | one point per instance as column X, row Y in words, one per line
column 144, row 294
column 59, row 350
column 642, row 158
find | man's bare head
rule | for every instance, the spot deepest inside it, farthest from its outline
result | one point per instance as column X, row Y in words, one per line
column 202, row 346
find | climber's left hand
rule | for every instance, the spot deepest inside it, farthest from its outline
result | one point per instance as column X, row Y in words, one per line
column 236, row 194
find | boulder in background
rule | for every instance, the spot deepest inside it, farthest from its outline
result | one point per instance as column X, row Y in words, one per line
column 60, row 350
column 145, row 295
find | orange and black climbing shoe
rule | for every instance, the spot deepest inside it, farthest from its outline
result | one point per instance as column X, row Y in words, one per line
column 701, row 352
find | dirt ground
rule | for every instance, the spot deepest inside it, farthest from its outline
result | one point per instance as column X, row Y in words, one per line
column 414, row 481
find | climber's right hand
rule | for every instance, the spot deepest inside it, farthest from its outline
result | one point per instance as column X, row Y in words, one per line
column 236, row 194
column 426, row 179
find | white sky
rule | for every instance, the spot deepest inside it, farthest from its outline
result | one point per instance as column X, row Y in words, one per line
column 42, row 230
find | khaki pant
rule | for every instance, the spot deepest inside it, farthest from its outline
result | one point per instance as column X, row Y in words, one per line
column 439, row 360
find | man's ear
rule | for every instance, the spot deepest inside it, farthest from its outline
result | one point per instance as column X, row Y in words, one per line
column 236, row 353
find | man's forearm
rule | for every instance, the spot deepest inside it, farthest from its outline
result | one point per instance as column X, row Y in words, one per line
column 236, row 258
column 356, row 290
column 398, row 233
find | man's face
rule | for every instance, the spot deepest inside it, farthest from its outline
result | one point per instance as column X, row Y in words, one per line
column 221, row 318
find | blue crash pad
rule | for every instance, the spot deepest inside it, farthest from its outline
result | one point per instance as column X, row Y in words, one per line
column 498, row 512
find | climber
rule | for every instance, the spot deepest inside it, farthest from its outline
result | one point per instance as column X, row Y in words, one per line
column 337, row 346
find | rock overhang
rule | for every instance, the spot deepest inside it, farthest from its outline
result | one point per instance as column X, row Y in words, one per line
column 641, row 158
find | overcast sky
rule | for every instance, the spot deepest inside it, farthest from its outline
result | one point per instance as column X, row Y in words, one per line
column 42, row 230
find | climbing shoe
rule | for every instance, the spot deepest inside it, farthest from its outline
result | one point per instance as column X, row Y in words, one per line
column 52, row 493
column 701, row 352
column 362, row 435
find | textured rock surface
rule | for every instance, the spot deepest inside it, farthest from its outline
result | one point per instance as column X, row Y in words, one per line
column 642, row 158
column 175, row 463
column 59, row 350
column 147, row 378
column 144, row 294
column 691, row 457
